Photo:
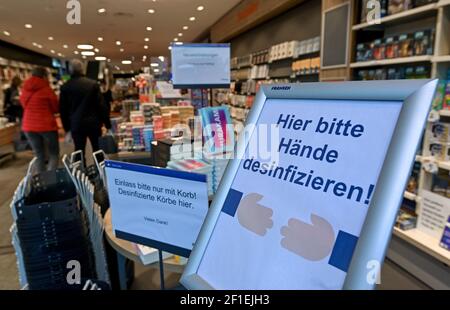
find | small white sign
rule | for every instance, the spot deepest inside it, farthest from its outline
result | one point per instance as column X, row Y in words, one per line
column 433, row 214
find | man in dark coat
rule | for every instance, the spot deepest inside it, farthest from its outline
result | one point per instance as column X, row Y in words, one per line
column 83, row 113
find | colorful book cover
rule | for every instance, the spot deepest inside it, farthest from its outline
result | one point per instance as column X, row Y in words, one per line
column 218, row 133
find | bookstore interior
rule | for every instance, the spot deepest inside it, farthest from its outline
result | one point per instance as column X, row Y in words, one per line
column 192, row 109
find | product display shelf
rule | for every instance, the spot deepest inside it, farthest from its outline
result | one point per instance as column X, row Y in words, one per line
column 424, row 242
column 445, row 113
column 437, row 59
column 443, row 3
column 393, row 61
column 411, row 14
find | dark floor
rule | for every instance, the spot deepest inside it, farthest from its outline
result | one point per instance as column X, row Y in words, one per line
column 11, row 172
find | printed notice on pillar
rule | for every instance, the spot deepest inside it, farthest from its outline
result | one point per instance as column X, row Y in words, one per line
column 161, row 208
column 296, row 207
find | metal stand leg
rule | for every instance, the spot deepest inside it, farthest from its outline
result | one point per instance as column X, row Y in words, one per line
column 121, row 263
column 161, row 270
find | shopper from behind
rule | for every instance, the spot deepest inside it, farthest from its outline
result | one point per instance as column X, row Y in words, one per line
column 83, row 113
column 40, row 105
column 11, row 106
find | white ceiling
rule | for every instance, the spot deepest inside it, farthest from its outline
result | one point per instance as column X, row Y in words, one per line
column 124, row 20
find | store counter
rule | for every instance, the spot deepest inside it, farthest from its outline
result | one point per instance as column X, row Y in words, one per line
column 126, row 249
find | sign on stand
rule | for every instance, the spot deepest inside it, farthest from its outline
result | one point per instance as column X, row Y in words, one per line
column 311, row 198
column 160, row 208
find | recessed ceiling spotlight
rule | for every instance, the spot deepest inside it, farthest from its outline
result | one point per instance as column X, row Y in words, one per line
column 76, row 52
column 161, row 58
column 175, row 39
column 100, row 58
column 28, row 26
column 200, row 8
column 121, row 50
column 101, row 11
column 126, row 62
column 118, row 43
column 50, row 38
column 146, row 39
column 149, row 28
column 180, row 34
column 154, row 64
column 96, row 50
column 192, row 18
column 6, row 33
column 65, row 46
column 117, row 68
column 52, row 51
column 170, row 47
column 84, row 57
column 109, row 60
column 185, row 27
column 87, row 53
column 151, row 11
column 100, row 39
column 85, row 46
column 146, row 47
column 59, row 54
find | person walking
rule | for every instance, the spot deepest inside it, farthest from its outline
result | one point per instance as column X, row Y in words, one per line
column 40, row 105
column 83, row 113
column 11, row 107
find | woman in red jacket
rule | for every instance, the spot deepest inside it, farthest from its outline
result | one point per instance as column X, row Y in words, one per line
column 40, row 105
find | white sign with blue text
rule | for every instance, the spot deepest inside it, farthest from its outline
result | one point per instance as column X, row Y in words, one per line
column 161, row 208
column 293, row 222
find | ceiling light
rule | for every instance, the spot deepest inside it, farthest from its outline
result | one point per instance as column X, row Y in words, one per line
column 52, row 51
column 87, row 53
column 200, row 8
column 50, row 38
column 185, row 27
column 156, row 70
column 146, row 39
column 151, row 11
column 109, row 60
column 96, row 50
column 179, row 43
column 126, row 62
column 65, row 46
column 118, row 43
column 76, row 52
column 102, row 10
column 100, row 39
column 121, row 50
column 149, row 28
column 145, row 46
column 161, row 58
column 117, row 68
column 180, row 34
column 154, row 64
column 84, row 57
column 6, row 33
column 192, row 18
column 59, row 54
column 28, row 26
column 100, row 58
column 170, row 47
column 85, row 46
column 175, row 40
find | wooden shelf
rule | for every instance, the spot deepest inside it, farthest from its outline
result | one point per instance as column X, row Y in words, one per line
column 412, row 14
column 393, row 61
column 424, row 242
column 443, row 3
column 445, row 58
column 445, row 113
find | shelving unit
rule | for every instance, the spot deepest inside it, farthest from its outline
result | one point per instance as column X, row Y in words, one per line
column 416, row 13
column 424, row 242
column 393, row 61
column 438, row 59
